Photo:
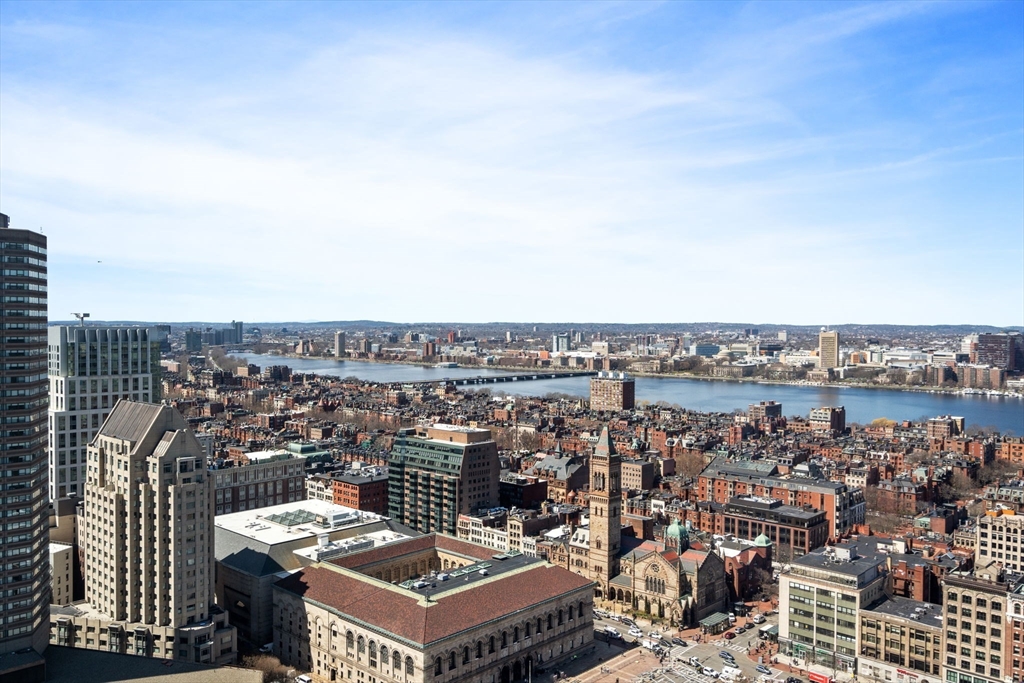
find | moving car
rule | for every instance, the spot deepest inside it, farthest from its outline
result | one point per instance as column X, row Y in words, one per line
column 679, row 641
column 708, row 671
column 725, row 654
column 763, row 669
column 636, row 633
column 612, row 633
column 759, row 619
column 655, row 635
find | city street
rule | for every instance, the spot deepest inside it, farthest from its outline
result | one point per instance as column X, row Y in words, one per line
column 676, row 667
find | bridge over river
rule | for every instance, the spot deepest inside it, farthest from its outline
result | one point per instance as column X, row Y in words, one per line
column 495, row 379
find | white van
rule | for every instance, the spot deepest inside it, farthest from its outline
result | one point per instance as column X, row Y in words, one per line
column 759, row 619
column 304, row 679
column 730, row 672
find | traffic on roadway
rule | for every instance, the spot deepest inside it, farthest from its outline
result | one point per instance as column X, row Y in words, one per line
column 715, row 659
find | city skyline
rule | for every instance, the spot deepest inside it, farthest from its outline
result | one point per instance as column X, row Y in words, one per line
column 694, row 153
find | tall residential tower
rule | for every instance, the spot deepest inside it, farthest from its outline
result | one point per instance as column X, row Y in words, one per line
column 24, row 534
column 90, row 369
column 828, row 349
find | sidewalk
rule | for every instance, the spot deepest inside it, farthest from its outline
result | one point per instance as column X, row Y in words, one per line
column 800, row 668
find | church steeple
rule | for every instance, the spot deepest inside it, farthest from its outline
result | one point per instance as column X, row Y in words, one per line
column 605, row 510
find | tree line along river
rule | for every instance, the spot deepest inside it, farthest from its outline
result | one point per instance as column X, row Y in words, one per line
column 1006, row 414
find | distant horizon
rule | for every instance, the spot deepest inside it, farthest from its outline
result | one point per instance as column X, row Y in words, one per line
column 500, row 323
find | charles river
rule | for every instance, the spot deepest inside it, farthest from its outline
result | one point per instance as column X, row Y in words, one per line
column 862, row 405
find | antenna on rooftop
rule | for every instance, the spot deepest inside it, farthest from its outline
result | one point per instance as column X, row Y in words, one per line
column 81, row 317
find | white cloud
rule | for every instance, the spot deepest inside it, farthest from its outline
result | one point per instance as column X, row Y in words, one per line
column 426, row 175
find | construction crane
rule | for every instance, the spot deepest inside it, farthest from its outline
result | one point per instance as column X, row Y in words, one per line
column 81, row 317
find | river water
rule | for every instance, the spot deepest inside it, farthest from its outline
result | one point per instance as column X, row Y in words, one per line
column 862, row 405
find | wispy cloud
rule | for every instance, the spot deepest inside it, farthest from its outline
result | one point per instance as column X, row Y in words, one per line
column 426, row 170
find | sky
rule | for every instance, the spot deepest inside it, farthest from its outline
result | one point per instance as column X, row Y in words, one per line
column 627, row 162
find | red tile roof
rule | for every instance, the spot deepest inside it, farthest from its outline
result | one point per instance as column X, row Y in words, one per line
column 406, row 617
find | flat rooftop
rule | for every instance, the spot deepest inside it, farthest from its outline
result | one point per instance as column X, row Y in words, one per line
column 277, row 454
column 865, row 558
column 925, row 612
column 291, row 521
column 344, row 546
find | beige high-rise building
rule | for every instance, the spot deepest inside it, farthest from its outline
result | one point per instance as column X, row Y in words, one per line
column 147, row 536
column 828, row 349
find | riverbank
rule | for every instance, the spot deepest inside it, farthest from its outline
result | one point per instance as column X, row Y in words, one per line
column 842, row 384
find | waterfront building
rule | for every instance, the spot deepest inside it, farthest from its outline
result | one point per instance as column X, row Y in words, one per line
column 901, row 640
column 819, row 597
column 973, row 640
column 612, row 391
column 147, row 541
column 828, row 419
column 999, row 350
column 339, row 344
column 25, row 571
column 91, row 368
column 765, row 411
column 438, row 472
column 459, row 613
column 828, row 349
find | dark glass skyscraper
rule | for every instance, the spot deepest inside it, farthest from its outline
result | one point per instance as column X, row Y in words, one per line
column 24, row 395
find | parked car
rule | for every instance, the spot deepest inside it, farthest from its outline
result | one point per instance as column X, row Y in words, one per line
column 759, row 619
column 616, row 617
column 694, row 661
column 741, row 629
column 679, row 641
column 763, row 669
column 729, row 635
column 627, row 620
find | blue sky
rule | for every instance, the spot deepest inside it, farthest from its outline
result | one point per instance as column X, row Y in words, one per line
column 802, row 162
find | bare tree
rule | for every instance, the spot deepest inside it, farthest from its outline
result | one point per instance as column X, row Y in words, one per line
column 690, row 465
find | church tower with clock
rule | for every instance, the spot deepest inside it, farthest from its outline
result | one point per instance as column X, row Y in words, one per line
column 605, row 511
